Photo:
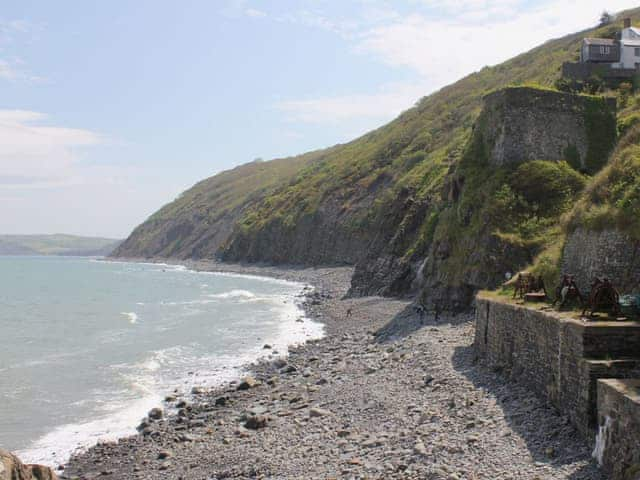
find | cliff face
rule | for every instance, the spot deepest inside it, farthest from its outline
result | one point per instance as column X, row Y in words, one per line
column 498, row 207
column 198, row 222
column 428, row 204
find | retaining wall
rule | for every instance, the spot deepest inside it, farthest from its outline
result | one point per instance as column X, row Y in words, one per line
column 560, row 358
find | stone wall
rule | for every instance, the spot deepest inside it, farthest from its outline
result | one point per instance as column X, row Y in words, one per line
column 608, row 253
column 520, row 124
column 618, row 443
column 558, row 357
column 584, row 71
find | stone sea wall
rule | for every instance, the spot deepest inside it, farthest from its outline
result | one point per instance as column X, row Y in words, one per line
column 558, row 357
column 618, row 444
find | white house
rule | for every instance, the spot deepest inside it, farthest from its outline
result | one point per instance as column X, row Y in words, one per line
column 629, row 47
column 611, row 59
column 620, row 53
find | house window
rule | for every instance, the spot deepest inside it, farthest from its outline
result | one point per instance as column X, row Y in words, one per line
column 637, row 51
column 605, row 50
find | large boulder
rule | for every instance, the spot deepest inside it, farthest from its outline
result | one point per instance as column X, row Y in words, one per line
column 11, row 468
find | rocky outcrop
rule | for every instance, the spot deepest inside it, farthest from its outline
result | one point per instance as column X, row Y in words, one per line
column 11, row 468
column 323, row 238
column 608, row 253
column 386, row 269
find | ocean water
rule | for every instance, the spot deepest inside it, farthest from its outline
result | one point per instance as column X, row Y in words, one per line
column 87, row 347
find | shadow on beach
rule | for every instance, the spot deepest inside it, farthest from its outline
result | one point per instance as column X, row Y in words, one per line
column 549, row 436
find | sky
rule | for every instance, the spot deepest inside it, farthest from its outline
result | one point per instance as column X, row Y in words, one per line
column 108, row 110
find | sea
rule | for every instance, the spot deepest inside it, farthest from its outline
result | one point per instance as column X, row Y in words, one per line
column 88, row 347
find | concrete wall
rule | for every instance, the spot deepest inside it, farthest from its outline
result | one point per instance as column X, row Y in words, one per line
column 618, row 443
column 557, row 357
column 608, row 253
column 520, row 124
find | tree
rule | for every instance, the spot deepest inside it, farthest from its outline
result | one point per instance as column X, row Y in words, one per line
column 625, row 89
column 594, row 85
column 565, row 85
column 606, row 18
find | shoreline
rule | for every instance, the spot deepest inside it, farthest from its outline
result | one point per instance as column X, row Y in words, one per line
column 102, row 428
column 409, row 403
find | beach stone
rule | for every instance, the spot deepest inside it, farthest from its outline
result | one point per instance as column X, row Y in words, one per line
column 255, row 422
column 198, row 391
column 419, row 448
column 156, row 413
column 247, row 383
column 11, row 468
column 221, row 401
column 318, row 412
column 164, row 454
column 279, row 363
column 144, row 424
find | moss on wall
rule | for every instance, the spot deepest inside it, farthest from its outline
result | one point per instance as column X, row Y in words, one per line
column 600, row 122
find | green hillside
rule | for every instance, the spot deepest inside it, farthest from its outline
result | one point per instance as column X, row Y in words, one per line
column 410, row 204
column 200, row 219
column 56, row 244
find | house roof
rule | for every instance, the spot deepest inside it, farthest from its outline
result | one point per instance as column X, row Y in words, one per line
column 599, row 41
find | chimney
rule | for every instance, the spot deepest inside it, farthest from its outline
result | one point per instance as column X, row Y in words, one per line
column 627, row 22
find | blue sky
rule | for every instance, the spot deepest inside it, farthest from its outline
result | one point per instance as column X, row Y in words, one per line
column 108, row 110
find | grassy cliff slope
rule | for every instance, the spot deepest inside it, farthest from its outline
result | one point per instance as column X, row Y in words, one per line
column 389, row 202
column 201, row 219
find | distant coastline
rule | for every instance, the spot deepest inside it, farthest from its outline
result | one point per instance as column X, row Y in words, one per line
column 57, row 244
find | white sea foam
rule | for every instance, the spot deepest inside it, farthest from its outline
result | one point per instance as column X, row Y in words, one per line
column 163, row 370
column 233, row 294
column 57, row 446
column 132, row 316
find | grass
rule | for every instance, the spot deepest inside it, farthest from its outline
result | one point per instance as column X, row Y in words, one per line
column 612, row 200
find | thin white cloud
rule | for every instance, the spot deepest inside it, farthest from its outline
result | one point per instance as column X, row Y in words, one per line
column 443, row 43
column 33, row 154
column 13, row 33
column 443, row 50
column 388, row 102
column 255, row 13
